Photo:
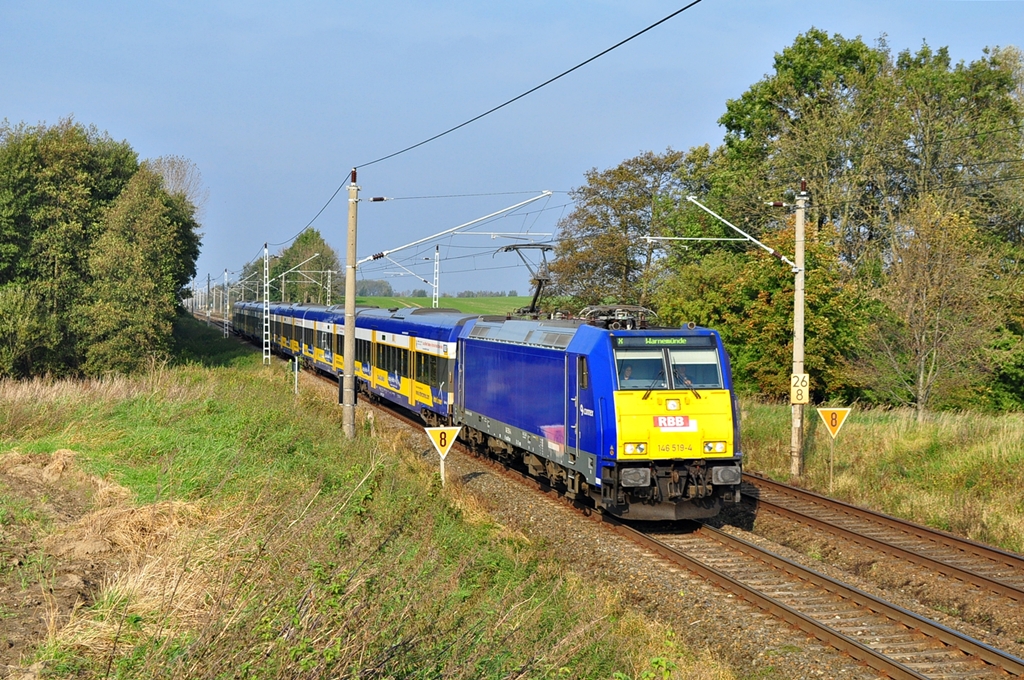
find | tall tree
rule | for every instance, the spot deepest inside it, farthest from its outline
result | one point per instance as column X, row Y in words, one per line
column 138, row 267
column 92, row 245
column 602, row 255
column 54, row 185
column 308, row 283
column 938, row 316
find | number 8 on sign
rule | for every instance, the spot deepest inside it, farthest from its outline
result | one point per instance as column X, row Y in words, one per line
column 833, row 419
column 442, row 438
column 799, row 388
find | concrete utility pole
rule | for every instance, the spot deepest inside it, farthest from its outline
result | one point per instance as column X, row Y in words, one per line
column 226, row 300
column 796, row 449
column 348, row 382
column 266, row 305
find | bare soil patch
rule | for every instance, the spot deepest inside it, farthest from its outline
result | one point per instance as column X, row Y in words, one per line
column 54, row 555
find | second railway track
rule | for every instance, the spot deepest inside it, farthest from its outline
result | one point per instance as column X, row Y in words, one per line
column 997, row 571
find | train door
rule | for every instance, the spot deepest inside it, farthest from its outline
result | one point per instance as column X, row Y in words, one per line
column 460, row 378
column 580, row 426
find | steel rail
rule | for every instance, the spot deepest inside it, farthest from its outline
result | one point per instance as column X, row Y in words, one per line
column 920, row 531
column 967, row 644
column 857, row 650
column 944, row 568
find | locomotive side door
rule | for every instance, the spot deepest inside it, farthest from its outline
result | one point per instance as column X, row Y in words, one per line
column 572, row 408
column 579, row 406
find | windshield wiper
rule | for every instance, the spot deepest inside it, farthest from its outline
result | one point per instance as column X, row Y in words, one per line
column 689, row 385
column 653, row 382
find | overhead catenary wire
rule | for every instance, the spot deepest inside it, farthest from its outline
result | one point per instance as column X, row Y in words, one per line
column 532, row 89
column 492, row 110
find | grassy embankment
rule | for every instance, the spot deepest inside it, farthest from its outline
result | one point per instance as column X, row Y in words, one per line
column 482, row 305
column 259, row 543
column 962, row 472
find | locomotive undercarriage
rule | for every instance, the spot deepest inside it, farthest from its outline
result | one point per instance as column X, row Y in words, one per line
column 665, row 491
column 670, row 490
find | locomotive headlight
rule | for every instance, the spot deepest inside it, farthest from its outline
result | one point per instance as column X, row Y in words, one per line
column 714, row 447
column 635, row 448
column 672, row 404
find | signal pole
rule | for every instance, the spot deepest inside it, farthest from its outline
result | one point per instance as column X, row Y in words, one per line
column 348, row 382
column 796, row 449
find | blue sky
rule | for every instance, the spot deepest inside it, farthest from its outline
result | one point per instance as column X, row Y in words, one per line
column 275, row 102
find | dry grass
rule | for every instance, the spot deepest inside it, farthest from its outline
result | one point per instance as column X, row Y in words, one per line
column 957, row 471
column 235, row 581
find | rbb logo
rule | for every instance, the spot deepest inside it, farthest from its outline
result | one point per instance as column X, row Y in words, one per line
column 671, row 421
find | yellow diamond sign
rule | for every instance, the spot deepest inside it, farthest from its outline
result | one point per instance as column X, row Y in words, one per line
column 833, row 419
column 443, row 438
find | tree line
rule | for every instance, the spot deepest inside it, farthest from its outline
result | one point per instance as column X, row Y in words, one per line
column 915, row 235
column 96, row 249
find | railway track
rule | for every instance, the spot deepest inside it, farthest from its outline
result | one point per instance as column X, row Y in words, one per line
column 891, row 640
column 997, row 571
column 896, row 642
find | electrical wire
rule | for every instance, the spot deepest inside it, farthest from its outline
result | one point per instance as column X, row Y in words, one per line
column 494, row 193
column 533, row 89
column 500, row 106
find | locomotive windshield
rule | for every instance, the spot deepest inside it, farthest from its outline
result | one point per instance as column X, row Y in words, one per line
column 641, row 369
column 697, row 368
column 645, row 369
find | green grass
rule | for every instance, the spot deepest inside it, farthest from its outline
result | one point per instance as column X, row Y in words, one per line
column 273, row 547
column 480, row 305
column 961, row 472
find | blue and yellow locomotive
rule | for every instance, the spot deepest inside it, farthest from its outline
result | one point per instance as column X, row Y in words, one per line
column 643, row 421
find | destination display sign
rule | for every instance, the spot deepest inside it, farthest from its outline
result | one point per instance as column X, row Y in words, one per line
column 664, row 341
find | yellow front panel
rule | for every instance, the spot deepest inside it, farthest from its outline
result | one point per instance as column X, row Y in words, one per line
column 673, row 424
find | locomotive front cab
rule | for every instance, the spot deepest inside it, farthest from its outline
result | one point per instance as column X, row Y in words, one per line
column 677, row 441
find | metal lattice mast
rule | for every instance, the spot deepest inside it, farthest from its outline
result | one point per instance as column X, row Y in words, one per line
column 437, row 271
column 328, row 287
column 266, row 305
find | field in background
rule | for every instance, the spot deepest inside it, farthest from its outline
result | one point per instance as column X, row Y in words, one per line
column 253, row 540
column 962, row 472
column 480, row 305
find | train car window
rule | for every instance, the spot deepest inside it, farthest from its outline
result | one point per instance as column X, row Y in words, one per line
column 403, row 363
column 698, row 368
column 444, row 369
column 426, row 369
column 641, row 369
column 363, row 354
